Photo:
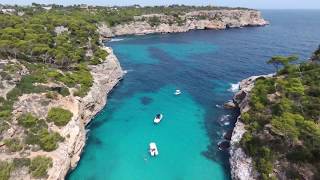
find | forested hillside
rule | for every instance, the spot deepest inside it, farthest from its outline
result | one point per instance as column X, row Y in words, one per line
column 46, row 54
column 41, row 52
column 283, row 132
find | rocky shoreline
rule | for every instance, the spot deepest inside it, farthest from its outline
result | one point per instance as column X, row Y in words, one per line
column 241, row 165
column 90, row 105
column 196, row 20
column 106, row 75
column 68, row 154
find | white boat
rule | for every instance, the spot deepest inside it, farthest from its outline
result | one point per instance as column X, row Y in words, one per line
column 153, row 149
column 178, row 92
column 158, row 118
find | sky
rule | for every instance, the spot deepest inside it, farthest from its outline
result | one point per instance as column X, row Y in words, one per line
column 258, row 4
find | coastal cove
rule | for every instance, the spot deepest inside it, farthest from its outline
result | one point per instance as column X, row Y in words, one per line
column 204, row 65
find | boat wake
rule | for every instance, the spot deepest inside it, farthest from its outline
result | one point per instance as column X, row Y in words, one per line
column 218, row 106
column 127, row 71
column 116, row 39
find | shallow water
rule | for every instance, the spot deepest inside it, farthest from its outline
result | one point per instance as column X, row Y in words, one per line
column 204, row 65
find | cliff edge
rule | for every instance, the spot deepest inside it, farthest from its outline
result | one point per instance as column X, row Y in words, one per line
column 106, row 75
column 241, row 164
column 209, row 19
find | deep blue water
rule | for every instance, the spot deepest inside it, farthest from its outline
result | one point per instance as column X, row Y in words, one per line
column 203, row 64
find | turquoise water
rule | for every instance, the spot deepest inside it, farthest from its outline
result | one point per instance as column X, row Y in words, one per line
column 203, row 64
column 180, row 138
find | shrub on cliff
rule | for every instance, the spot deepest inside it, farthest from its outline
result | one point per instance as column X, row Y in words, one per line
column 26, row 86
column 316, row 55
column 5, row 170
column 101, row 54
column 39, row 166
column 81, row 76
column 49, row 141
column 278, row 61
column 59, row 116
column 37, row 133
column 154, row 21
column 283, row 123
column 13, row 94
column 64, row 91
column 21, row 162
column 13, row 144
column 27, row 120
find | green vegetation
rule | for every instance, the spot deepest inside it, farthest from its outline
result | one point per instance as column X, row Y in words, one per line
column 13, row 144
column 80, row 76
column 37, row 133
column 27, row 120
column 63, row 36
column 40, row 135
column 5, row 170
column 59, row 116
column 5, row 111
column 39, row 166
column 54, row 37
column 49, row 141
column 54, row 48
column 154, row 21
column 278, row 61
column 21, row 162
column 316, row 56
column 283, row 120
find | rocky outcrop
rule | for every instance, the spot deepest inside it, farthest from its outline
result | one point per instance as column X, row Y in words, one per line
column 106, row 76
column 213, row 19
column 60, row 29
column 242, row 165
column 11, row 72
column 229, row 105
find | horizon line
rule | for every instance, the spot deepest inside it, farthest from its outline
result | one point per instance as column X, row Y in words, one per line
column 129, row 5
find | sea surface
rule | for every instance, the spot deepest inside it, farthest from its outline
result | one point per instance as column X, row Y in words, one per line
column 204, row 65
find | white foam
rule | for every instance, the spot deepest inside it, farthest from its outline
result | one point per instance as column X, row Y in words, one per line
column 234, row 87
column 225, row 118
column 226, row 123
column 127, row 71
column 116, row 39
column 218, row 106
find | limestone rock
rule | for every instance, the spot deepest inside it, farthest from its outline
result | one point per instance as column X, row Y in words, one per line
column 229, row 105
column 60, row 29
column 215, row 19
column 241, row 165
column 106, row 75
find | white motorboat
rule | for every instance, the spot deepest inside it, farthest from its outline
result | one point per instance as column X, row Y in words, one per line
column 158, row 118
column 178, row 92
column 153, row 149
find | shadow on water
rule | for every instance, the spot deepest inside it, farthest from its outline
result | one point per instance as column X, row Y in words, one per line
column 95, row 141
column 170, row 70
column 145, row 100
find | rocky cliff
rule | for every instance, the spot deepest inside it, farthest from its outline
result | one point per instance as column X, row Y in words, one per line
column 160, row 23
column 242, row 165
column 105, row 75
